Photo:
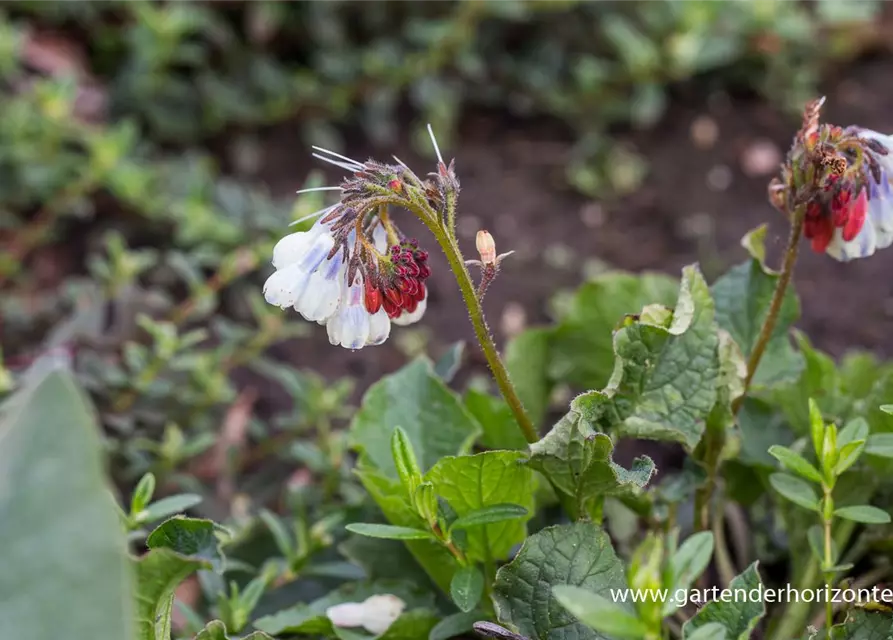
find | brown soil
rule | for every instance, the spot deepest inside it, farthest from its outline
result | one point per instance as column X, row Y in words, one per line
column 696, row 203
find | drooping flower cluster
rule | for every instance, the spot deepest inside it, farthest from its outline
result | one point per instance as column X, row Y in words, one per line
column 353, row 270
column 842, row 176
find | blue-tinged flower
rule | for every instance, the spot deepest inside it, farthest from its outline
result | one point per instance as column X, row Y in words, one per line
column 352, row 326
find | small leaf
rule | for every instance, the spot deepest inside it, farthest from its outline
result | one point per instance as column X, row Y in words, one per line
column 738, row 618
column 599, row 613
column 142, row 495
column 388, row 531
column 795, row 490
column 169, row 506
column 489, row 515
column 454, row 625
column 816, row 538
column 467, row 587
column 887, row 408
column 849, row 454
column 216, row 630
column 280, row 534
column 863, row 513
column 880, row 444
column 689, row 562
column 855, row 429
column 405, row 461
column 793, row 461
column 817, row 428
column 191, row 537
column 577, row 554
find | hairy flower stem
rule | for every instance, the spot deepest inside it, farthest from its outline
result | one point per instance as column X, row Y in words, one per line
column 784, row 279
column 482, row 331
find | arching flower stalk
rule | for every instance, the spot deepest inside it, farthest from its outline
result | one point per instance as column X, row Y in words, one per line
column 355, row 272
column 835, row 190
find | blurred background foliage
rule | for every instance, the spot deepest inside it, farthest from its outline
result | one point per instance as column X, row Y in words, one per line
column 134, row 226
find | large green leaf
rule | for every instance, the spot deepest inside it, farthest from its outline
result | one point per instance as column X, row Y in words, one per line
column 581, row 349
column 469, row 483
column 738, row 617
column 64, row 561
column 177, row 548
column 416, row 399
column 578, row 460
column 743, row 297
column 500, row 429
column 575, row 554
column 390, row 497
column 310, row 619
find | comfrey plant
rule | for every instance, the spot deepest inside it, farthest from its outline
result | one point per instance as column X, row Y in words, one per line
column 456, row 518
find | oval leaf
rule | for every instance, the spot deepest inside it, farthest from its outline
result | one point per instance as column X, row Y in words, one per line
column 863, row 513
column 466, row 588
column 795, row 490
column 489, row 515
column 599, row 613
column 793, row 461
column 169, row 506
column 880, row 444
column 388, row 531
column 689, row 562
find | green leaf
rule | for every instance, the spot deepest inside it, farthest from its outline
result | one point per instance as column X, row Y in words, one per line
column 489, row 515
column 795, row 490
column 454, row 625
column 665, row 378
column 863, row 625
column 527, row 359
column 738, row 618
column 816, row 428
column 169, row 506
column 190, row 537
column 158, row 573
column 581, row 349
column 388, row 532
column 710, row 631
column 689, row 562
column 467, row 587
column 863, row 513
column 743, row 297
column 578, row 461
column 849, row 454
column 216, row 630
column 793, row 461
column 473, row 483
column 412, row 625
column 437, row 424
column 280, row 533
column 142, row 495
column 448, row 364
column 599, row 613
column 390, row 497
column 310, row 619
column 880, row 444
column 856, row 429
column 63, row 552
column 577, row 554
column 887, row 408
column 816, row 538
column 405, row 461
column 497, row 421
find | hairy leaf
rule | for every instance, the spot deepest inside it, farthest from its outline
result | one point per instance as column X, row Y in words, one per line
column 738, row 617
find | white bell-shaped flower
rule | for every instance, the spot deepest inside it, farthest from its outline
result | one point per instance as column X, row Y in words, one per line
column 352, row 326
column 407, row 318
column 375, row 614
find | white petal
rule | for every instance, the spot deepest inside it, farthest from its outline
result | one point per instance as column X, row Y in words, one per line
column 291, row 249
column 285, row 286
column 381, row 611
column 317, row 251
column 405, row 318
column 862, row 246
column 379, row 328
column 348, row 614
column 320, row 299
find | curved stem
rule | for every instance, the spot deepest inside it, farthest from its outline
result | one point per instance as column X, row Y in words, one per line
column 481, row 330
column 784, row 279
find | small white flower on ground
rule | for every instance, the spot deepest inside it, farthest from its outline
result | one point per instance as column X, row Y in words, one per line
column 375, row 613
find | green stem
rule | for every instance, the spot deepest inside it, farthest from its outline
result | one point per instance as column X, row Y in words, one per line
column 784, row 278
column 828, row 560
column 481, row 330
